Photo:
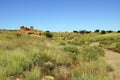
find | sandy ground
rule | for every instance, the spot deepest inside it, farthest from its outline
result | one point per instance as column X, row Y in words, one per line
column 113, row 58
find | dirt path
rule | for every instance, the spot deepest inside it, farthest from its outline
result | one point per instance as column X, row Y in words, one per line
column 113, row 58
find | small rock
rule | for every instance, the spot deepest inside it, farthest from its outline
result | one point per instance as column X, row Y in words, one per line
column 17, row 79
column 48, row 78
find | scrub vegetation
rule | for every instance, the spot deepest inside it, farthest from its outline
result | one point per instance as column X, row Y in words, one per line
column 55, row 56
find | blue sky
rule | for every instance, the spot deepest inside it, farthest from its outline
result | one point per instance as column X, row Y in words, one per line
column 60, row 15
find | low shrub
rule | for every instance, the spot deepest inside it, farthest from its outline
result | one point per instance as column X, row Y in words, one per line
column 49, row 35
column 109, row 68
column 47, row 68
column 18, row 35
column 117, row 48
column 62, row 73
column 71, row 49
column 114, row 46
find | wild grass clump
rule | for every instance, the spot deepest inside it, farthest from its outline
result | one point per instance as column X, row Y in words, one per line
column 48, row 68
column 58, row 59
column 79, row 43
column 17, row 35
column 110, row 41
column 17, row 61
column 91, row 53
column 62, row 43
column 93, row 70
column 85, row 76
column 62, row 73
column 13, row 63
column 115, row 46
column 71, row 49
column 35, row 74
column 109, row 68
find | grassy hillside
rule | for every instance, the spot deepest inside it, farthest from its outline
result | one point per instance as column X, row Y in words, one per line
column 65, row 56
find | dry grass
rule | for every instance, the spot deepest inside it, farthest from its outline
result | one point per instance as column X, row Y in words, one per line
column 34, row 57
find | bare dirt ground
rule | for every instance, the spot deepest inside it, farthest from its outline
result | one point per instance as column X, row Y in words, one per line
column 113, row 58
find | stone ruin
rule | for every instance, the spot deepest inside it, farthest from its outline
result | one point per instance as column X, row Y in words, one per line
column 30, row 30
column 23, row 28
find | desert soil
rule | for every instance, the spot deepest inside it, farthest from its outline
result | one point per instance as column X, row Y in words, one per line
column 113, row 58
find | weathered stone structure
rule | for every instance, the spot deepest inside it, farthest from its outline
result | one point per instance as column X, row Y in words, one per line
column 23, row 28
column 30, row 30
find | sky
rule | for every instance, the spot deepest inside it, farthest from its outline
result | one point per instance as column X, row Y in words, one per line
column 60, row 15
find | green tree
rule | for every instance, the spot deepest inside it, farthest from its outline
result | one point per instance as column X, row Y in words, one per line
column 103, row 32
column 110, row 31
column 118, row 31
column 75, row 31
column 97, row 31
column 82, row 31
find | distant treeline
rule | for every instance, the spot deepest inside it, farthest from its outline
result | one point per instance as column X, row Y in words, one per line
column 96, row 31
column 80, row 31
